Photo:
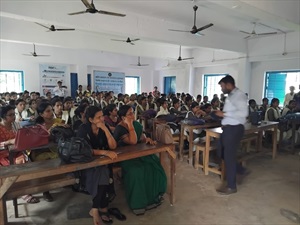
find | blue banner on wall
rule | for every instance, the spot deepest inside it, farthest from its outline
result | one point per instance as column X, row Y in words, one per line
column 109, row 81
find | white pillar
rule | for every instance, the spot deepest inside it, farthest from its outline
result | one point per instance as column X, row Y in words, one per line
column 191, row 79
column 244, row 75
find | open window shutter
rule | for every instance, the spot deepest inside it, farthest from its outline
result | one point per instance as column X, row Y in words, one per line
column 275, row 86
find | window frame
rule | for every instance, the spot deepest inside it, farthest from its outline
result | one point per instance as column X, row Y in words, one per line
column 138, row 83
column 205, row 76
column 21, row 78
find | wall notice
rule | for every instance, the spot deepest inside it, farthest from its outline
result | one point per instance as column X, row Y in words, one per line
column 109, row 81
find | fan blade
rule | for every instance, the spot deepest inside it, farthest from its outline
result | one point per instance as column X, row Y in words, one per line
column 27, row 54
column 117, row 40
column 144, row 65
column 247, row 37
column 111, row 13
column 137, row 39
column 187, row 58
column 65, row 29
column 271, row 33
column 205, row 27
column 199, row 34
column 244, row 32
column 87, row 4
column 178, row 30
column 42, row 25
column 76, row 13
column 42, row 55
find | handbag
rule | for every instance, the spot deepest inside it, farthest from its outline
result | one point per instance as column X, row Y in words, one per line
column 31, row 137
column 163, row 134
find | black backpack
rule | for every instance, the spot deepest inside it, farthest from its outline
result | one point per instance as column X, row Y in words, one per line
column 60, row 132
column 75, row 150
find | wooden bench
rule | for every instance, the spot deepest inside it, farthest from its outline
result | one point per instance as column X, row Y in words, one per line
column 17, row 180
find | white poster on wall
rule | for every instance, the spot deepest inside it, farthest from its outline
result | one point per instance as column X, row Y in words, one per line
column 109, row 81
column 50, row 75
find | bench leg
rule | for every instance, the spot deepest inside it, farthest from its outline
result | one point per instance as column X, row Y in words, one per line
column 15, row 202
column 3, row 212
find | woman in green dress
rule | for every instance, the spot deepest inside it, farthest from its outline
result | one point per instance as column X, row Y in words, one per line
column 144, row 178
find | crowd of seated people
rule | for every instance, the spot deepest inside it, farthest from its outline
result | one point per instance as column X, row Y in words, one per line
column 103, row 116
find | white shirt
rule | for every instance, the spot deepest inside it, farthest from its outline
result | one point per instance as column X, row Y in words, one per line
column 288, row 97
column 235, row 108
column 60, row 92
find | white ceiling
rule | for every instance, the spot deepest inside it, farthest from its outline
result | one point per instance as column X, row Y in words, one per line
column 147, row 20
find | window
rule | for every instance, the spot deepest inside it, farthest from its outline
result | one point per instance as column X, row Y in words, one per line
column 132, row 85
column 278, row 83
column 211, row 85
column 170, row 85
column 11, row 81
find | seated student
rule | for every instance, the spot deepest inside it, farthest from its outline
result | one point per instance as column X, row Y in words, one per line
column 31, row 112
column 20, row 107
column 68, row 110
column 152, row 104
column 8, row 130
column 46, row 118
column 79, row 117
column 252, row 106
column 124, row 101
column 145, row 180
column 290, row 108
column 215, row 104
column 264, row 107
column 111, row 118
column 188, row 102
column 96, row 180
column 273, row 114
column 196, row 113
column 163, row 109
column 141, row 107
column 205, row 100
column 106, row 101
column 175, row 109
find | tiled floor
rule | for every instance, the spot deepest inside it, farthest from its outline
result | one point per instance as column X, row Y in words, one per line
column 272, row 184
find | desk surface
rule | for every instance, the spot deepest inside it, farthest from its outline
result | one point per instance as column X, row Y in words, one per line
column 29, row 171
column 249, row 128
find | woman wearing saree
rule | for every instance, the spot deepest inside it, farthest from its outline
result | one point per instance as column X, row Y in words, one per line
column 144, row 178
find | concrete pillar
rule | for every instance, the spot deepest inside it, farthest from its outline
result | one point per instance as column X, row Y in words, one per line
column 244, row 75
column 191, row 79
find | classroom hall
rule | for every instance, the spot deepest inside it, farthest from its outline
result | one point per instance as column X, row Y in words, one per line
column 153, row 43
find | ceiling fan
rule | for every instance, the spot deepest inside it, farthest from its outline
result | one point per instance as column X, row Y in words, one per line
column 181, row 59
column 139, row 63
column 90, row 8
column 52, row 28
column 254, row 34
column 195, row 30
column 34, row 53
column 128, row 40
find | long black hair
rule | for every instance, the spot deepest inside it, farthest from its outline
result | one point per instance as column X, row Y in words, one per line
column 91, row 112
column 123, row 110
column 108, row 109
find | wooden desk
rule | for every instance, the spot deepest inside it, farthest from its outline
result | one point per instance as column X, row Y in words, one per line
column 190, row 129
column 249, row 129
column 10, row 175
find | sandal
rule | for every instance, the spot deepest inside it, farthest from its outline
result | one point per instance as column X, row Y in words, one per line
column 117, row 213
column 30, row 199
column 47, row 196
column 105, row 217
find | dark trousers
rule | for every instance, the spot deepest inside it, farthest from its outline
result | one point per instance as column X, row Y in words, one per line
column 101, row 199
column 227, row 148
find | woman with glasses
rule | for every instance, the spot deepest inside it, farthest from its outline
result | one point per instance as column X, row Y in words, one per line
column 8, row 130
column 145, row 180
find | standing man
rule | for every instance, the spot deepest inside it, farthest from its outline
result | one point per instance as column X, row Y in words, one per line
column 234, row 117
column 289, row 96
column 59, row 90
